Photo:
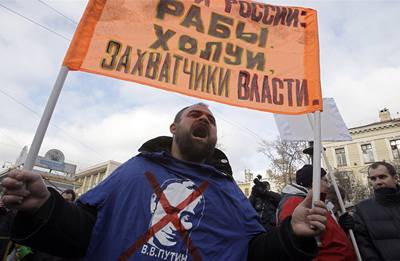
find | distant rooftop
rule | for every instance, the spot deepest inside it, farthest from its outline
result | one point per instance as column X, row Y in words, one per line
column 385, row 121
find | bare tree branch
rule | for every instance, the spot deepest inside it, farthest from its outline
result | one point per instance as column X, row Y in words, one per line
column 285, row 158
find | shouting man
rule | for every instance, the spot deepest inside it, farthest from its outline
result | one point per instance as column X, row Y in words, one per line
column 197, row 212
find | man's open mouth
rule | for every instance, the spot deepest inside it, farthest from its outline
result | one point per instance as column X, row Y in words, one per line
column 200, row 131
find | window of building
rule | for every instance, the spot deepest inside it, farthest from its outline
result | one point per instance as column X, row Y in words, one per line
column 340, row 157
column 368, row 155
column 395, row 146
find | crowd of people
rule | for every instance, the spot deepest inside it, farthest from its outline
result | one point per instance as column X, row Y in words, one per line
column 177, row 200
column 375, row 221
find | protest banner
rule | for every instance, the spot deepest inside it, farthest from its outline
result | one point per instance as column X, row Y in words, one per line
column 241, row 53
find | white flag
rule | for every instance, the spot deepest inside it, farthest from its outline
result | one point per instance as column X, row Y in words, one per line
column 299, row 127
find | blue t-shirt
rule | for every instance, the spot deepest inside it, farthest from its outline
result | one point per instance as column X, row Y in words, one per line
column 155, row 207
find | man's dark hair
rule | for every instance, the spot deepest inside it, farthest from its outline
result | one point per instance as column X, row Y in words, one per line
column 179, row 114
column 70, row 191
column 389, row 167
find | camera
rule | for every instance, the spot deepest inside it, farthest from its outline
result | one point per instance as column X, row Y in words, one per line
column 261, row 187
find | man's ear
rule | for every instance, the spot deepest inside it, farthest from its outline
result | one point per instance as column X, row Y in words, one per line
column 172, row 128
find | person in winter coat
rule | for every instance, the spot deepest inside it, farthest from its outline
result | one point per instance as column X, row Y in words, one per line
column 334, row 244
column 265, row 202
column 332, row 201
column 36, row 255
column 176, row 200
column 6, row 219
column 377, row 220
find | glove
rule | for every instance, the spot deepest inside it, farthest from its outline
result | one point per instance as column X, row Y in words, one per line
column 346, row 221
column 23, row 251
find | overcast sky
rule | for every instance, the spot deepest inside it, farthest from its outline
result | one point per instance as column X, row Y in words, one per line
column 99, row 119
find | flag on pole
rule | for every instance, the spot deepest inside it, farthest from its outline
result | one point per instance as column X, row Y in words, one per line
column 300, row 127
column 242, row 53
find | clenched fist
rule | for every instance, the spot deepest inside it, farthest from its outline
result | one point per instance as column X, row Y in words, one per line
column 24, row 190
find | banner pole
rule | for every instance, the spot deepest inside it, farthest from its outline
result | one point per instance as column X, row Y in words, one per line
column 316, row 184
column 44, row 121
column 335, row 186
column 341, row 203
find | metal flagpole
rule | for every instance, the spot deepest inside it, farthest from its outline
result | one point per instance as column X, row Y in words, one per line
column 316, row 181
column 44, row 121
column 316, row 184
column 334, row 183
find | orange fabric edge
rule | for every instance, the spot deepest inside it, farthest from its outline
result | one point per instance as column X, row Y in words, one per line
column 80, row 43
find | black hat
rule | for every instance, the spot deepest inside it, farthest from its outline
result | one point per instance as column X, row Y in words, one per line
column 304, row 175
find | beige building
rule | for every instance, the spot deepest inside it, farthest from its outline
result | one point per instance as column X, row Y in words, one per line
column 55, row 172
column 92, row 176
column 373, row 142
column 56, row 181
column 247, row 184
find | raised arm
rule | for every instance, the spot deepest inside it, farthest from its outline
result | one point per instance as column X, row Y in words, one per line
column 45, row 221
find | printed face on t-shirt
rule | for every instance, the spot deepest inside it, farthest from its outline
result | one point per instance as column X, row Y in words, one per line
column 176, row 194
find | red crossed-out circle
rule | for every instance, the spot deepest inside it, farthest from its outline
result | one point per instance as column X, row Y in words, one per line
column 171, row 216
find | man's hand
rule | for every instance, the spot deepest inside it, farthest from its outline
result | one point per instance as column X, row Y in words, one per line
column 307, row 221
column 24, row 190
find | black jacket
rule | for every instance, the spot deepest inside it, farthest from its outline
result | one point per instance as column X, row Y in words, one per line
column 6, row 219
column 266, row 204
column 64, row 229
column 377, row 225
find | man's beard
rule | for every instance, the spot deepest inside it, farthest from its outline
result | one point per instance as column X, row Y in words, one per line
column 193, row 150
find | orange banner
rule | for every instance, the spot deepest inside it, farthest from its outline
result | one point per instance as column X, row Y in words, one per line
column 242, row 53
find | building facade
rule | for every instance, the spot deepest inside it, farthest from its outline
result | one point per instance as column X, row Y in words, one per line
column 92, row 176
column 56, row 181
column 56, row 173
column 377, row 141
column 246, row 185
